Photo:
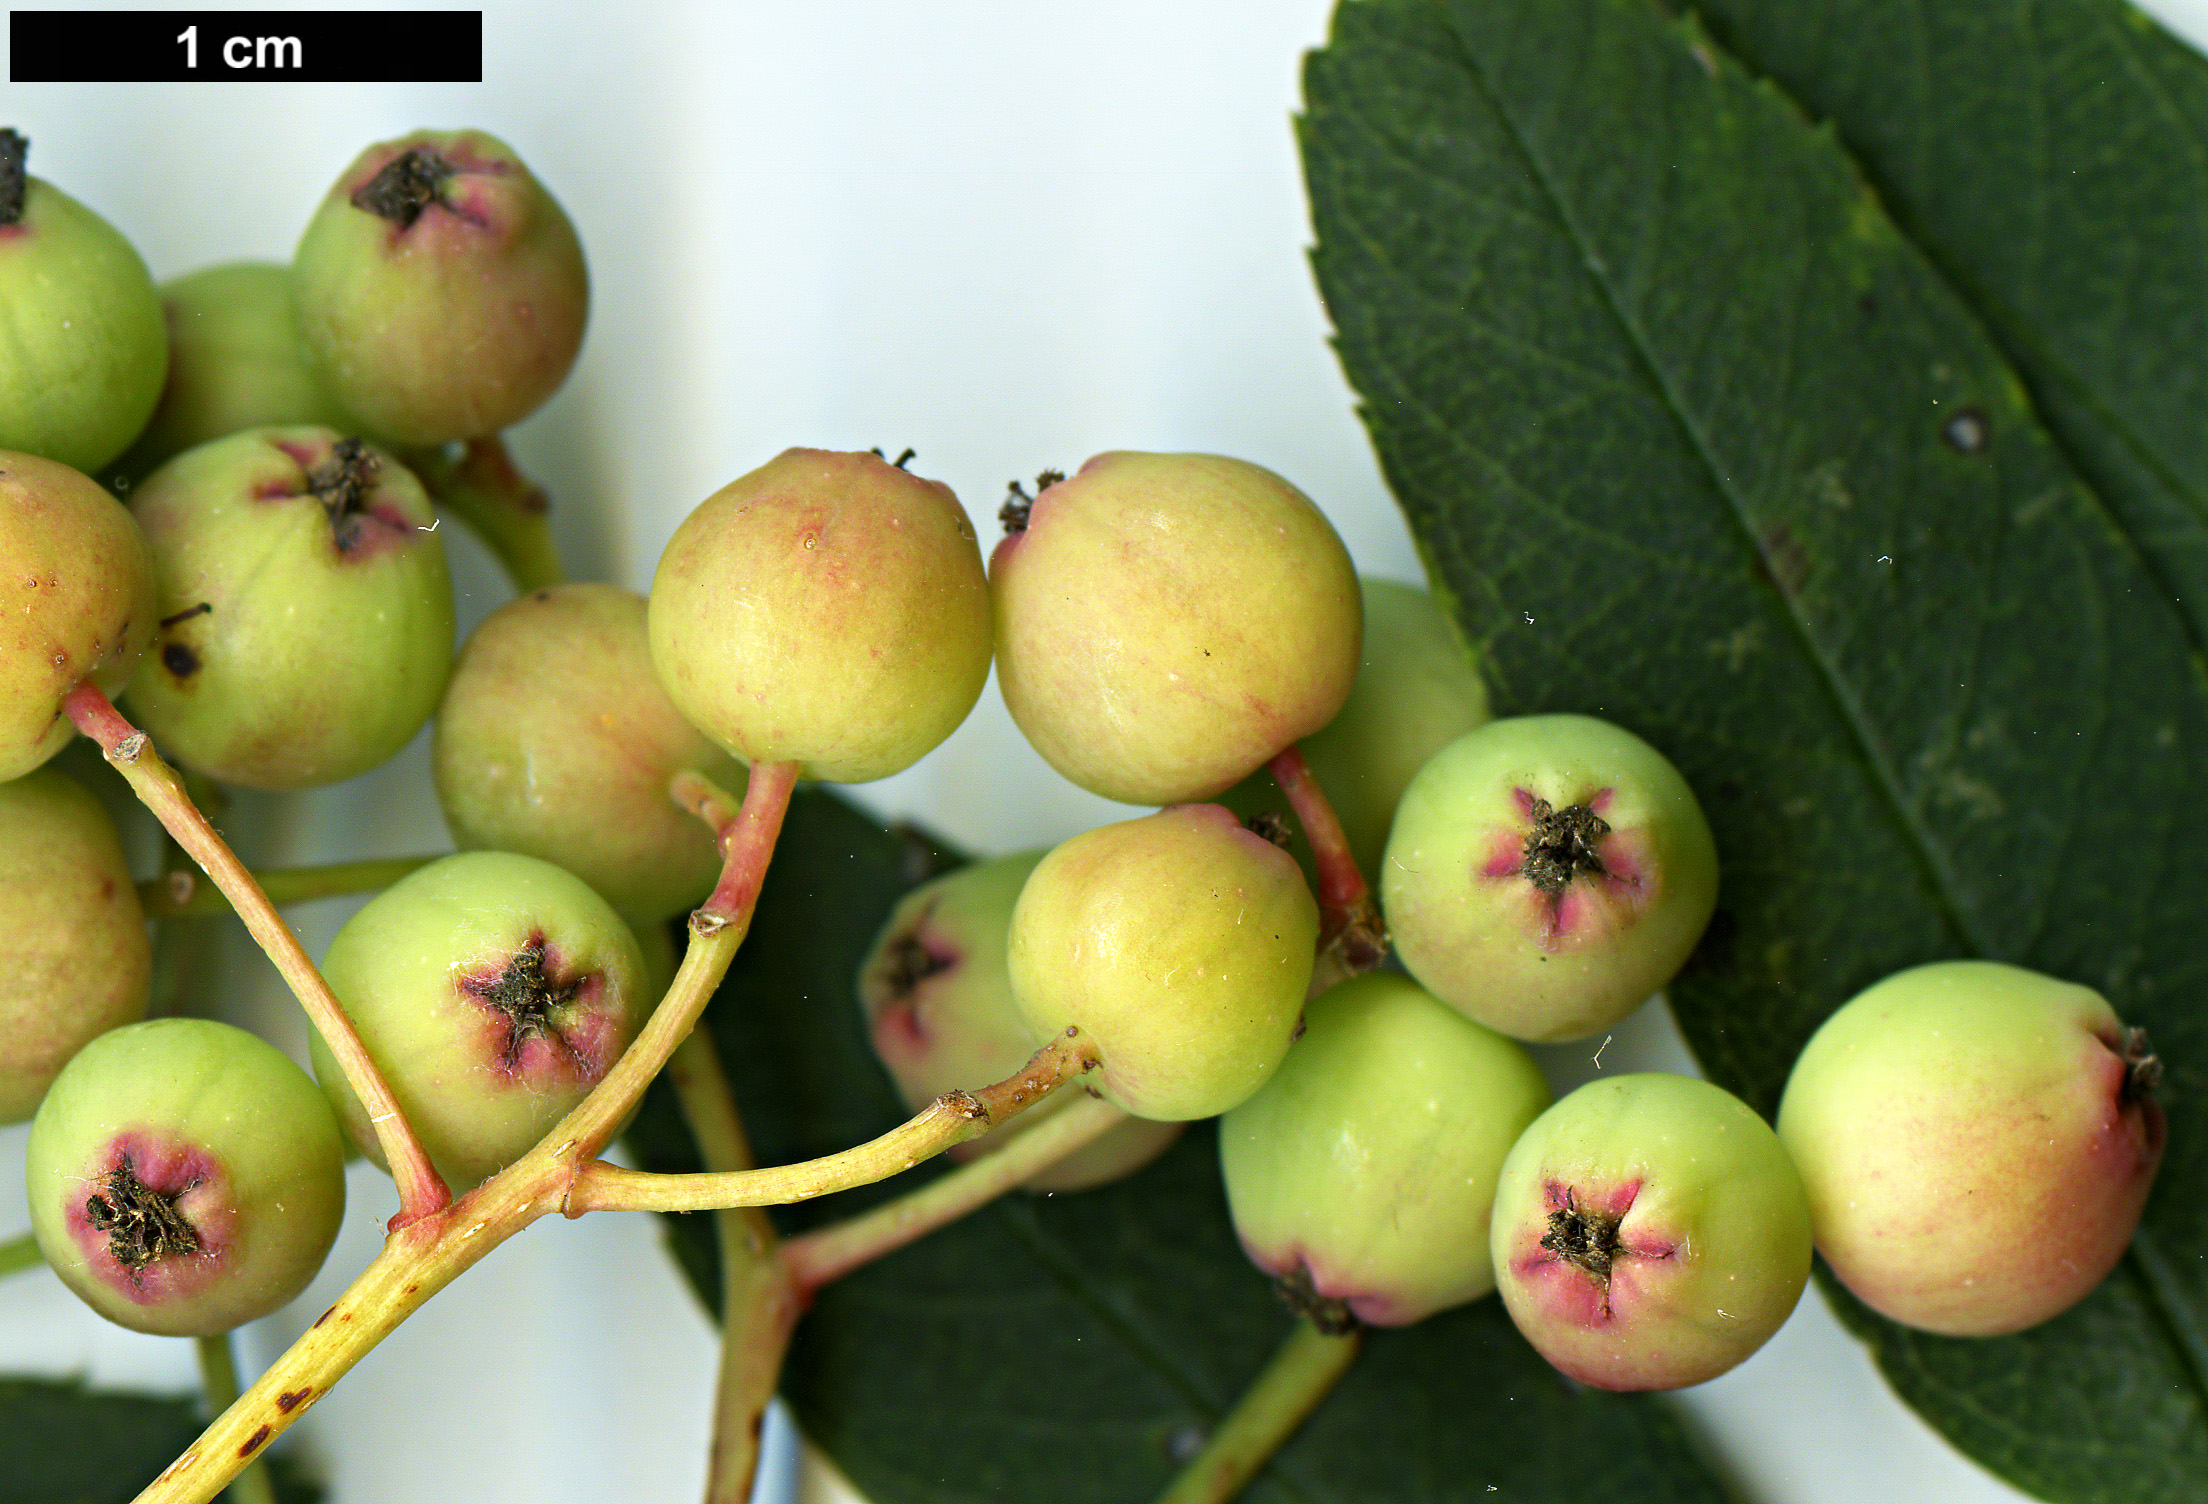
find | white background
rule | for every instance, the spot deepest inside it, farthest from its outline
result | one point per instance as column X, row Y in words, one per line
column 1006, row 234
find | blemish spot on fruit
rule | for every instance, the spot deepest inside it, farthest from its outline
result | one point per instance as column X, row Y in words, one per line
column 179, row 659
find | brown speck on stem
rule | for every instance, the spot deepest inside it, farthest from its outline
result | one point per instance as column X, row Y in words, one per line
column 1332, row 1317
column 1588, row 1241
column 408, row 184
column 1561, row 846
column 142, row 1225
column 14, row 147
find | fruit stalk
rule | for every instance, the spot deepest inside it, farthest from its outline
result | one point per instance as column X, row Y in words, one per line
column 179, row 894
column 759, row 1301
column 717, row 928
column 218, row 1380
column 509, row 512
column 950, row 1119
column 416, row 1261
column 828, row 1253
column 422, row 1190
column 424, row 1255
column 1305, row 1370
column 1353, row 939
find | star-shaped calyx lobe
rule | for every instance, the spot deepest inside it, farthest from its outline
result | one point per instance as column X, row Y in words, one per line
column 529, row 997
column 141, row 1224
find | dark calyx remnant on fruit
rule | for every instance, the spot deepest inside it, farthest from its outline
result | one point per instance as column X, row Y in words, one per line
column 527, row 997
column 1331, row 1316
column 14, row 147
column 1561, row 846
column 408, row 184
column 342, row 484
column 910, row 963
column 2142, row 1069
column 1269, row 826
column 1588, row 1241
column 1017, row 503
column 905, row 456
column 141, row 1224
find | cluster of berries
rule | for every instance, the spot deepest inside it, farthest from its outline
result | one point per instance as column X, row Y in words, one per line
column 1969, row 1145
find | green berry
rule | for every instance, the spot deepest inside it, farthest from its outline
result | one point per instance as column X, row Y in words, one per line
column 1180, row 945
column 306, row 611
column 554, row 740
column 826, row 609
column 1649, row 1233
column 1547, row 874
column 86, row 349
column 1362, row 1175
column 74, row 959
column 234, row 363
column 184, row 1177
column 937, row 993
column 441, row 289
column 77, row 585
column 1167, row 623
column 1977, row 1142
column 1415, row 692
column 493, row 991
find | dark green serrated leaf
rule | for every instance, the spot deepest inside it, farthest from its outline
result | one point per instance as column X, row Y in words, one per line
column 2052, row 159
column 62, row 1443
column 1671, row 407
column 1052, row 1349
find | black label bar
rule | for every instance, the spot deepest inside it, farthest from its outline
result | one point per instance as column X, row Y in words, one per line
column 238, row 46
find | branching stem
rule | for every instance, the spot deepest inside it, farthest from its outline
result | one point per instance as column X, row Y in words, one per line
column 828, row 1253
column 421, row 1189
column 500, row 505
column 1352, row 936
column 179, row 894
column 1304, row 1371
column 424, row 1255
column 948, row 1120
column 759, row 1302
